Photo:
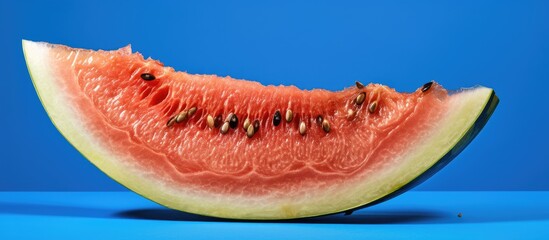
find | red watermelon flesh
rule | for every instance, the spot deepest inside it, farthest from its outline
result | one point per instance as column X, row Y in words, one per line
column 118, row 120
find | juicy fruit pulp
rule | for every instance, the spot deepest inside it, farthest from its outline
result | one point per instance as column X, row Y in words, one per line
column 116, row 108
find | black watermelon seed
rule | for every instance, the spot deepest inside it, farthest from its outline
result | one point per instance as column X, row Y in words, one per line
column 359, row 85
column 256, row 126
column 147, row 77
column 277, row 118
column 217, row 121
column 319, row 119
column 360, row 98
column 233, row 122
column 426, row 86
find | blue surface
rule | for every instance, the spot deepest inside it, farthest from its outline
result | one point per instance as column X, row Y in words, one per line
column 500, row 44
column 414, row 215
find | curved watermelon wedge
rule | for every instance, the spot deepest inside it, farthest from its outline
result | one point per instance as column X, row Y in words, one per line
column 231, row 148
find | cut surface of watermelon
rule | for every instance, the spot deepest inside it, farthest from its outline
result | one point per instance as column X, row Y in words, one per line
column 310, row 153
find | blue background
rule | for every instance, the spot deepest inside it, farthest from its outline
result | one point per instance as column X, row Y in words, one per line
column 403, row 44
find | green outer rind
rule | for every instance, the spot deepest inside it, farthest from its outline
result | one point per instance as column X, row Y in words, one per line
column 448, row 157
column 144, row 189
column 467, row 138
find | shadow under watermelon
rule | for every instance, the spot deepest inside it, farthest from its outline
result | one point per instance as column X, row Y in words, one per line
column 393, row 215
column 363, row 217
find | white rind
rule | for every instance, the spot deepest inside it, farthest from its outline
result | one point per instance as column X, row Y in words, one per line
column 465, row 108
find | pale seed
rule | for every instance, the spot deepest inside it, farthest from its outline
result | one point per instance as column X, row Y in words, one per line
column 246, row 124
column 192, row 111
column 326, row 126
column 224, row 128
column 360, row 98
column 302, row 128
column 181, row 116
column 229, row 117
column 289, row 115
column 210, row 121
column 171, row 121
column 372, row 107
column 250, row 132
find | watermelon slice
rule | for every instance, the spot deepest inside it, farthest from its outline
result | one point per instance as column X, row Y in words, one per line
column 231, row 148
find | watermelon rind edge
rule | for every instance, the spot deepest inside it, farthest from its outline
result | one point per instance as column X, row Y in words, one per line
column 486, row 97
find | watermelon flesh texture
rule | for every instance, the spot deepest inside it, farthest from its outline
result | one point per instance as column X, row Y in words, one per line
column 101, row 104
